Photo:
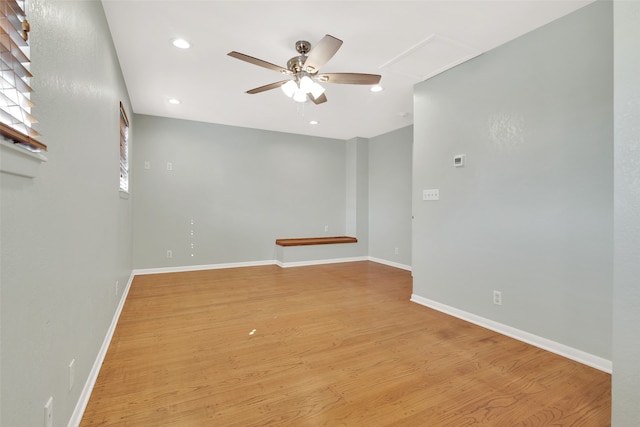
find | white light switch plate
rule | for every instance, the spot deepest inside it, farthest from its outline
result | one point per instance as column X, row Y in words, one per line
column 433, row 194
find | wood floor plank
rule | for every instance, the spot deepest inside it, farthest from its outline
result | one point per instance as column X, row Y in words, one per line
column 330, row 345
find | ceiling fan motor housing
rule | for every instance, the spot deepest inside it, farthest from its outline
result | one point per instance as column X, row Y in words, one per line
column 296, row 63
column 303, row 47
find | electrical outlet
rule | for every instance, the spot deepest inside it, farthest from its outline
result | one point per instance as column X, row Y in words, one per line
column 117, row 286
column 432, row 194
column 497, row 297
column 147, row 164
column 169, row 253
column 72, row 373
column 48, row 413
column 397, row 251
column 169, row 166
column 326, row 228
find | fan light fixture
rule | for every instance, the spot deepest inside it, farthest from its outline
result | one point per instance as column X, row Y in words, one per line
column 316, row 90
column 289, row 88
column 299, row 89
column 300, row 96
column 304, row 83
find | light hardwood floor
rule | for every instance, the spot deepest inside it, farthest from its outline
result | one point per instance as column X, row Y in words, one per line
column 329, row 345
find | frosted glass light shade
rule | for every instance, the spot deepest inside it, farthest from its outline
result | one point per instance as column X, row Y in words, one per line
column 316, row 90
column 300, row 96
column 306, row 84
column 289, row 88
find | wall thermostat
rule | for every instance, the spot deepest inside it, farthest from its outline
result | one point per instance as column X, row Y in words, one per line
column 458, row 161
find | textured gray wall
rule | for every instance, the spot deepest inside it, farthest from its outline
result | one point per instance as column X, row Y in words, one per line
column 626, row 317
column 357, row 196
column 360, row 164
column 66, row 234
column 390, row 196
column 243, row 188
column 531, row 215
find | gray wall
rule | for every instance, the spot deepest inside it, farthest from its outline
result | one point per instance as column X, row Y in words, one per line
column 66, row 234
column 390, row 196
column 243, row 188
column 626, row 291
column 531, row 214
column 357, row 194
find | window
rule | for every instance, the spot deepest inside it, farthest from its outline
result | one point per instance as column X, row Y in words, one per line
column 15, row 89
column 124, row 150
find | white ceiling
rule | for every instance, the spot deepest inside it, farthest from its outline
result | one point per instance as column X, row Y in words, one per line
column 404, row 41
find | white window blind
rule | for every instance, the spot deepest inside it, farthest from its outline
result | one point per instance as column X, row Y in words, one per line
column 15, row 76
column 124, row 150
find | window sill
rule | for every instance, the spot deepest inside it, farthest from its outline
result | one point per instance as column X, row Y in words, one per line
column 16, row 160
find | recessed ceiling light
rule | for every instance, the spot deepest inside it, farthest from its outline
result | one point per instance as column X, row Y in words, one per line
column 376, row 88
column 174, row 101
column 181, row 44
column 314, row 122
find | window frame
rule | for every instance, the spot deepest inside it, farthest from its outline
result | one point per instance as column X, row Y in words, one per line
column 15, row 76
column 124, row 150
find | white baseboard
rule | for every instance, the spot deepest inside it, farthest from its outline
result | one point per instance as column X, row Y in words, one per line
column 319, row 262
column 537, row 341
column 85, row 395
column 201, row 267
column 390, row 263
column 281, row 264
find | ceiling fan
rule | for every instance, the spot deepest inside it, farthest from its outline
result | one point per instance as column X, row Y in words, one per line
column 304, row 70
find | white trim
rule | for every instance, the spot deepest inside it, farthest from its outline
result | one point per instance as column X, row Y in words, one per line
column 85, row 395
column 319, row 261
column 201, row 267
column 19, row 161
column 281, row 264
column 537, row 341
column 390, row 263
